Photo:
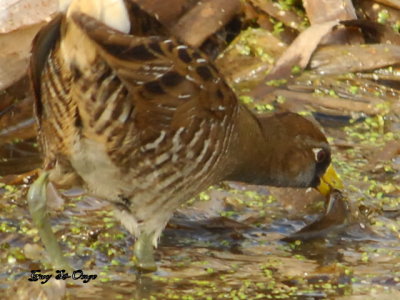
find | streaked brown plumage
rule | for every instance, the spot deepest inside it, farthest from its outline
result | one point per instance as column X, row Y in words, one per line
column 147, row 123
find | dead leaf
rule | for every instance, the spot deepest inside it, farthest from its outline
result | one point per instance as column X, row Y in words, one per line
column 297, row 54
column 333, row 11
column 338, row 59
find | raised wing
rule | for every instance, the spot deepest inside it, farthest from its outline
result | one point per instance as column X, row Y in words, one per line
column 171, row 86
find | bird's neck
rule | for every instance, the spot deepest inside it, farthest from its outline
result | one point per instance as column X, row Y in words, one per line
column 251, row 151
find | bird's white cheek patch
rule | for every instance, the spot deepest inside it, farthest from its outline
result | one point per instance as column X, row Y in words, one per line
column 316, row 151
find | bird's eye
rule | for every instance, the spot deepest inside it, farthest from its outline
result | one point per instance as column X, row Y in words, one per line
column 320, row 155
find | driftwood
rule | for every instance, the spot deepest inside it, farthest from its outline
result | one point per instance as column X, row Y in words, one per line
column 288, row 18
column 167, row 12
column 392, row 3
column 205, row 19
column 330, row 102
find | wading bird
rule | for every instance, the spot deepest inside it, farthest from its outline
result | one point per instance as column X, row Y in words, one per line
column 146, row 122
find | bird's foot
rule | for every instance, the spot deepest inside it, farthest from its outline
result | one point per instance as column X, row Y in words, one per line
column 144, row 253
column 37, row 203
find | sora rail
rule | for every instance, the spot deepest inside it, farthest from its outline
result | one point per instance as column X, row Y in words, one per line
column 146, row 122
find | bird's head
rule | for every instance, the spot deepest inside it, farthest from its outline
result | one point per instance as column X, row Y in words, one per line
column 297, row 153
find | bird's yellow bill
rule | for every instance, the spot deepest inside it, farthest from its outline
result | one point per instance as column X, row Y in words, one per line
column 330, row 181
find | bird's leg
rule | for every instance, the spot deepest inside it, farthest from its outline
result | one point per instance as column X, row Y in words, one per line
column 37, row 203
column 144, row 253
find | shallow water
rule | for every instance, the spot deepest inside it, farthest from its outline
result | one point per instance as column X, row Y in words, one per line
column 226, row 245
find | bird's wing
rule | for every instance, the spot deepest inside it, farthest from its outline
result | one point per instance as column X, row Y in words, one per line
column 171, row 85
